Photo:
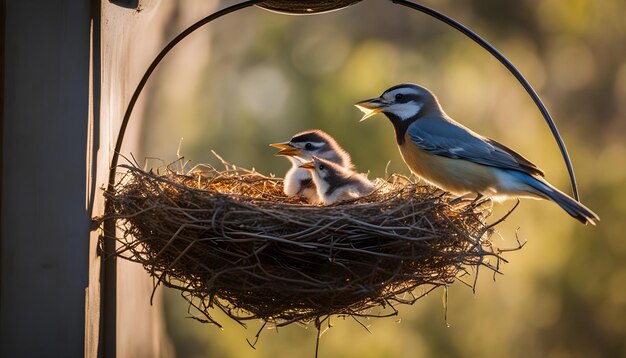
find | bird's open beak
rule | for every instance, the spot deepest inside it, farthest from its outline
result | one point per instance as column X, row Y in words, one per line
column 370, row 107
column 308, row 165
column 286, row 149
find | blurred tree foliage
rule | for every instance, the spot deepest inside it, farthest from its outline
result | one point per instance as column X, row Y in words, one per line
column 257, row 77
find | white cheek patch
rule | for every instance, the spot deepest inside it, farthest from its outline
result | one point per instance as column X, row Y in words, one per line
column 304, row 157
column 405, row 110
column 320, row 183
column 295, row 161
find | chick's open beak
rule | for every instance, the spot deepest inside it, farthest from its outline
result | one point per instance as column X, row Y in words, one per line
column 286, row 149
column 308, row 165
column 370, row 107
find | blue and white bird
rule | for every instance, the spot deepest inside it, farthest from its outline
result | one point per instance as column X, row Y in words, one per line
column 454, row 158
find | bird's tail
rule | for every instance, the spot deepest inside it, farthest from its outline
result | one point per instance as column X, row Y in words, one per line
column 576, row 209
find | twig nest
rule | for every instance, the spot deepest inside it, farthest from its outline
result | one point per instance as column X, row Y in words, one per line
column 231, row 239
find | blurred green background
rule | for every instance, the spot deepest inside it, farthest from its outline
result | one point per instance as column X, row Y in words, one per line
column 257, row 77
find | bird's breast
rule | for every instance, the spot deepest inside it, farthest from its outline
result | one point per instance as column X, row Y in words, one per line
column 295, row 180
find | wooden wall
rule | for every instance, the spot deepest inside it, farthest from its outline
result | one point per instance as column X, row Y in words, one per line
column 45, row 222
column 69, row 68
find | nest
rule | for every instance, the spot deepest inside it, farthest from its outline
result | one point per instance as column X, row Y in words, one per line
column 230, row 239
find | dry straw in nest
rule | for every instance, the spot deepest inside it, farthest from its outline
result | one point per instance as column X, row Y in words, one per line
column 231, row 240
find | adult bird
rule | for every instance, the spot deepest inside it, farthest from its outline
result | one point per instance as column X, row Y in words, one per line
column 454, row 158
column 301, row 149
column 335, row 183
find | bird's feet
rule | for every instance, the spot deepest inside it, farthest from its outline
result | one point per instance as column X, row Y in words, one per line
column 473, row 203
column 457, row 200
column 479, row 200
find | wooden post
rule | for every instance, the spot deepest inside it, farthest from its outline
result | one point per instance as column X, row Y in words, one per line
column 69, row 67
column 45, row 222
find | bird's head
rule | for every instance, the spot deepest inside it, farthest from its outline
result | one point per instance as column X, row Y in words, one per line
column 404, row 102
column 307, row 144
column 323, row 168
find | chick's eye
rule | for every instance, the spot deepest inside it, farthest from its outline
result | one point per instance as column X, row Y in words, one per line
column 308, row 146
column 322, row 167
column 399, row 96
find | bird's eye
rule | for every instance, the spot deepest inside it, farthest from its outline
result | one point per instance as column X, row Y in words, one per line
column 399, row 96
column 308, row 146
column 322, row 167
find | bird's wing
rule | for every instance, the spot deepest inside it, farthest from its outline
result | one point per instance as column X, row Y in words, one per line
column 450, row 139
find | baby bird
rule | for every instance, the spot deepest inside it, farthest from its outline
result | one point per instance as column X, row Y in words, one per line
column 301, row 149
column 335, row 183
